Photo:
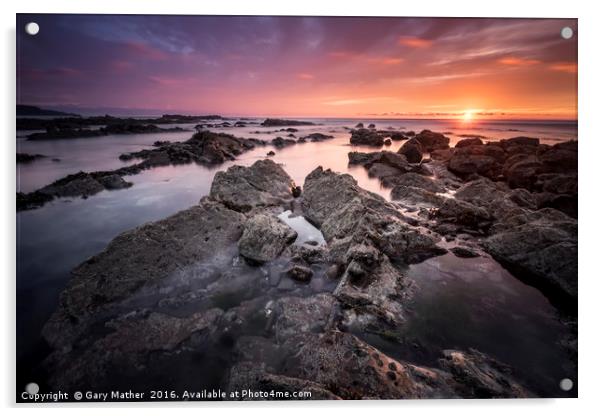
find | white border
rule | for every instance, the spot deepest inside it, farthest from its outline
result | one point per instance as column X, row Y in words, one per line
column 590, row 143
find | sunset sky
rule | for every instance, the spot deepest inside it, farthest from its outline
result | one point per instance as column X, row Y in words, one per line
column 301, row 66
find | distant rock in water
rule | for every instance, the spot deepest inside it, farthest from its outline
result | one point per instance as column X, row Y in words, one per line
column 205, row 147
column 279, row 142
column 26, row 157
column 75, row 133
column 277, row 122
column 81, row 184
column 366, row 137
column 32, row 110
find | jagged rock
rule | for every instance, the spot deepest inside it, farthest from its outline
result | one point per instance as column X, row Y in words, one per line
column 264, row 238
column 264, row 183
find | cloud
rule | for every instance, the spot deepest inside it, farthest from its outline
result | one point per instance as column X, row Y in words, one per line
column 304, row 75
column 414, row 42
column 514, row 61
column 570, row 67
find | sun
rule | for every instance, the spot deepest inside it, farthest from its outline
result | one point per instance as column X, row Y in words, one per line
column 467, row 116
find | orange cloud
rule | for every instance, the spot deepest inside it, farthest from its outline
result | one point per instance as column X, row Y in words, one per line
column 304, row 75
column 514, row 61
column 570, row 67
column 391, row 61
column 414, row 42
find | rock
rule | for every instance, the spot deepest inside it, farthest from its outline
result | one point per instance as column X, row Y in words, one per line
column 359, row 126
column 125, row 346
column 484, row 160
column 264, row 238
column 523, row 173
column 264, row 183
column 26, row 158
column 279, row 142
column 317, row 137
column 442, row 154
column 398, row 136
column 271, row 153
column 540, row 247
column 140, row 257
column 371, row 126
column 81, row 184
column 412, row 150
column 474, row 141
column 465, row 214
column 388, row 142
column 366, row 137
column 275, row 122
column 431, row 141
column 561, row 158
column 519, row 141
column 204, row 147
column 300, row 273
column 347, row 214
column 414, row 196
column 480, row 376
column 420, row 181
column 463, row 252
column 296, row 191
column 113, row 182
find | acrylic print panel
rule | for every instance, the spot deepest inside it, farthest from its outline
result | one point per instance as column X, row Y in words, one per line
column 256, row 207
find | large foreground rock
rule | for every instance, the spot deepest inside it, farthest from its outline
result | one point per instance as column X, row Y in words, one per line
column 265, row 183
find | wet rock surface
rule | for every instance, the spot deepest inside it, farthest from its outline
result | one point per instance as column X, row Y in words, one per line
column 162, row 295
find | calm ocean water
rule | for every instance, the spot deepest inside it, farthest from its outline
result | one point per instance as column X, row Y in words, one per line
column 496, row 313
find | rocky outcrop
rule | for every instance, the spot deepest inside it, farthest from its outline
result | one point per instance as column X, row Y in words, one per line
column 53, row 132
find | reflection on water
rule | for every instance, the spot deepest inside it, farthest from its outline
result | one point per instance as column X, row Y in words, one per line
column 456, row 306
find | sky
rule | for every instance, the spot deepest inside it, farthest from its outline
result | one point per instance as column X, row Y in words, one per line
column 301, row 66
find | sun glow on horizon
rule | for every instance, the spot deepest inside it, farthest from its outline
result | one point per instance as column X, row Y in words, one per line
column 468, row 115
